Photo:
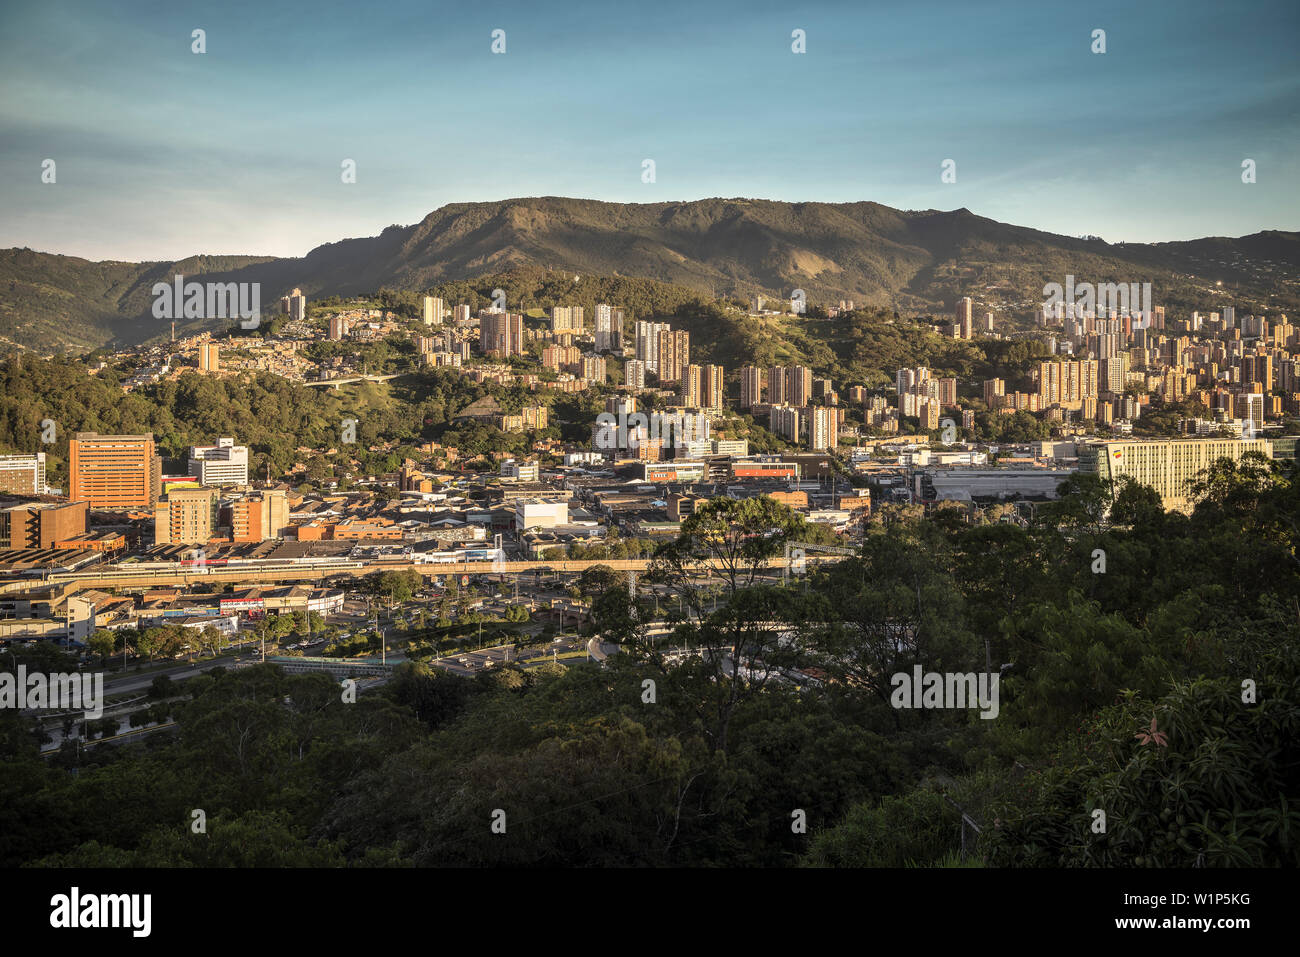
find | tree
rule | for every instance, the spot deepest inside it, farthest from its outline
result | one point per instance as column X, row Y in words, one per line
column 714, row 567
column 895, row 607
column 102, row 642
column 398, row 586
column 599, row 579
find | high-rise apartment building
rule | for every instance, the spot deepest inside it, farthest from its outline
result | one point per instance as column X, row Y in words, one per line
column 674, row 355
column 818, row 425
column 114, row 471
column 559, row 358
column 692, row 386
column 295, row 305
column 799, row 385
column 593, row 369
column 823, row 428
column 786, row 421
column 634, row 374
column 566, row 319
column 751, row 386
column 1113, row 374
column 209, row 357
column 1257, row 372
column 712, row 388
column 994, row 389
column 501, row 334
column 948, row 393
column 1067, row 383
column 778, row 386
column 965, row 317
column 432, row 309
column 927, row 411
column 605, row 338
column 792, row 385
column 185, row 516
column 647, row 343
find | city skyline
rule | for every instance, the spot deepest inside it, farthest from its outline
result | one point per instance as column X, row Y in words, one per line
column 238, row 150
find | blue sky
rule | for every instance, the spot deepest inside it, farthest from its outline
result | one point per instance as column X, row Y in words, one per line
column 162, row 153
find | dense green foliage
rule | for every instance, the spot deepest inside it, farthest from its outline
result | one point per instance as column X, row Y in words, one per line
column 273, row 416
column 1122, row 692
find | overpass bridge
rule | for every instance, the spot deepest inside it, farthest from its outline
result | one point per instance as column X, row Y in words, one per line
column 349, row 380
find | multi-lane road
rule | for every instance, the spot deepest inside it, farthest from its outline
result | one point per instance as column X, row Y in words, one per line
column 140, row 575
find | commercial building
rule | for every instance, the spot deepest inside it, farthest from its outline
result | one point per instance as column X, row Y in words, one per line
column 114, row 471
column 674, row 471
column 222, row 464
column 41, row 524
column 23, row 474
column 520, row 471
column 767, row 467
column 1166, row 465
column 989, row 485
column 540, row 514
column 258, row 517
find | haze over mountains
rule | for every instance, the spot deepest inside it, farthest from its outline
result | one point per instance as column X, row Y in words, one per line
column 915, row 262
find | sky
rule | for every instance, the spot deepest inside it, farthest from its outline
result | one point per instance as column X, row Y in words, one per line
column 161, row 153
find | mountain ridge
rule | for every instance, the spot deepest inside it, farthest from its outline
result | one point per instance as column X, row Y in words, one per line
column 914, row 261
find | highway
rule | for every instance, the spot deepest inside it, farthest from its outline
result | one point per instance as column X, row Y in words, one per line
column 139, row 575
